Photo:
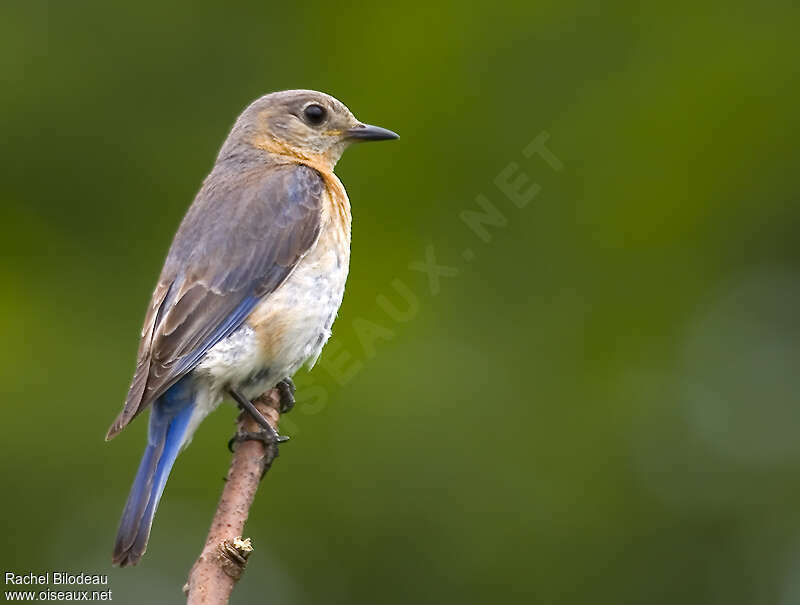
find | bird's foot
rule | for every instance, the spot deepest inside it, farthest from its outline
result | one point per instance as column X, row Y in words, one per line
column 266, row 437
column 270, row 439
column 286, row 391
column 271, row 436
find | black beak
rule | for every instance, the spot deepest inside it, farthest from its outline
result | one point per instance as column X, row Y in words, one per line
column 365, row 132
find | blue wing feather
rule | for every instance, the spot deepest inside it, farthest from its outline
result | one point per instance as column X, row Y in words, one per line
column 225, row 329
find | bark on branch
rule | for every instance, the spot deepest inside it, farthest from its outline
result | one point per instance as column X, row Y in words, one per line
column 224, row 556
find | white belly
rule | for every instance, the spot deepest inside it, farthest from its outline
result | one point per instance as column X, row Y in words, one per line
column 295, row 322
column 287, row 329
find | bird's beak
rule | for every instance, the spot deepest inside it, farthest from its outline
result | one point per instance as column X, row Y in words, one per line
column 365, row 132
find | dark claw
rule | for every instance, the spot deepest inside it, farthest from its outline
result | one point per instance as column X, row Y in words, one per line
column 270, row 441
column 263, row 436
column 286, row 390
column 266, row 428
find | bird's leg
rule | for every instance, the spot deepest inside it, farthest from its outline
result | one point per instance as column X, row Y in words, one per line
column 266, row 435
column 286, row 390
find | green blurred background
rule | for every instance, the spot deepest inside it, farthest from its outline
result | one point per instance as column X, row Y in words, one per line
column 601, row 406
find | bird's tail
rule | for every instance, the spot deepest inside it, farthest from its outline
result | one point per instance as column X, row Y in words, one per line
column 169, row 422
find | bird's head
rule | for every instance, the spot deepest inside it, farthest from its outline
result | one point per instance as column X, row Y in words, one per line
column 303, row 124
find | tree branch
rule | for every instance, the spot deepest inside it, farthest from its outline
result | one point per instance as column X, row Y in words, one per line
column 224, row 556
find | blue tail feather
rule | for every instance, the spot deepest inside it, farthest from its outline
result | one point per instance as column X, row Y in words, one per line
column 169, row 420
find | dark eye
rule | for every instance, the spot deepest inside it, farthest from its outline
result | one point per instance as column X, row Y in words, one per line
column 315, row 114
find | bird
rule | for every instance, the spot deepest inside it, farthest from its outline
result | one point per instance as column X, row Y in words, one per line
column 250, row 287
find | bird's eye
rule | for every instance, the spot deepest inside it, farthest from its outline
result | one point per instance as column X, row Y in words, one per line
column 315, row 114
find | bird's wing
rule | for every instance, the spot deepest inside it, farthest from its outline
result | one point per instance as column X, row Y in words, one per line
column 238, row 242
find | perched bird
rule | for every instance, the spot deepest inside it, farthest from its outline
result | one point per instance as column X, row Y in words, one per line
column 250, row 287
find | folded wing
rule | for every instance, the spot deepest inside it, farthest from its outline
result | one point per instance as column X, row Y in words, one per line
column 239, row 241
